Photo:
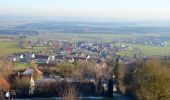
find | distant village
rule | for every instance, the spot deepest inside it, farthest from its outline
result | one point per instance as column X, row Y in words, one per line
column 65, row 51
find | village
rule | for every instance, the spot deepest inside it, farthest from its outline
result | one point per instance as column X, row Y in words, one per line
column 85, row 65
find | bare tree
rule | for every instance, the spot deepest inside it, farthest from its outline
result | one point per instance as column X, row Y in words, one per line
column 69, row 92
column 5, row 68
column 85, row 70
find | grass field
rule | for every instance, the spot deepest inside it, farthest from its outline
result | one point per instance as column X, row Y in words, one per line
column 80, row 37
column 149, row 50
column 153, row 50
column 7, row 48
column 90, row 37
column 20, row 66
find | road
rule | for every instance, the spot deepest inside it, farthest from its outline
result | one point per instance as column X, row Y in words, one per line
column 120, row 97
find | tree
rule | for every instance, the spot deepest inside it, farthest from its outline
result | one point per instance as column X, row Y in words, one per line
column 110, row 88
column 22, row 85
column 66, row 69
column 85, row 71
column 116, row 70
column 150, row 80
column 5, row 68
column 121, row 78
column 110, row 63
column 99, row 87
column 4, row 87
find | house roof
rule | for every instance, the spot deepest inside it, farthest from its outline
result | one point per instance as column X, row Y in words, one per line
column 37, row 74
column 28, row 71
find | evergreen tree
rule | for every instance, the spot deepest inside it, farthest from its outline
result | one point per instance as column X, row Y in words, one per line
column 116, row 70
column 99, row 86
column 110, row 88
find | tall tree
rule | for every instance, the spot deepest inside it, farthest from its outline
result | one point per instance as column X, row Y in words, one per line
column 116, row 71
column 99, row 87
column 110, row 88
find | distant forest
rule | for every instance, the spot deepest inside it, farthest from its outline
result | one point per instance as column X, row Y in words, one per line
column 17, row 32
column 89, row 27
column 84, row 27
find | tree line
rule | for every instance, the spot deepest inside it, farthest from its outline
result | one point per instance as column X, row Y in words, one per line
column 145, row 79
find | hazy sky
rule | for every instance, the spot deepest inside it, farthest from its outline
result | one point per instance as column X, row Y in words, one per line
column 92, row 9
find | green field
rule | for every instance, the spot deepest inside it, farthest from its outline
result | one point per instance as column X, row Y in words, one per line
column 7, row 48
column 95, row 37
column 81, row 37
column 148, row 50
column 153, row 50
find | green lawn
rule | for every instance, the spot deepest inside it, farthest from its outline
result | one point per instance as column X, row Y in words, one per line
column 7, row 48
column 20, row 66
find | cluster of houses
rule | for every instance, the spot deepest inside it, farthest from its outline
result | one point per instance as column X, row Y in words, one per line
column 67, row 51
column 145, row 40
column 61, row 51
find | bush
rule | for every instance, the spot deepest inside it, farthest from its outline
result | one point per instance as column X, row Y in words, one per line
column 22, row 86
column 66, row 69
column 69, row 92
column 150, row 80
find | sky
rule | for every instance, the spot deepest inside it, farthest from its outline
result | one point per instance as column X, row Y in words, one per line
column 89, row 9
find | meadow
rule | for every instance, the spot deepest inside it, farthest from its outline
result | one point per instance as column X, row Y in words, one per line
column 7, row 48
column 145, row 49
column 153, row 50
column 80, row 37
